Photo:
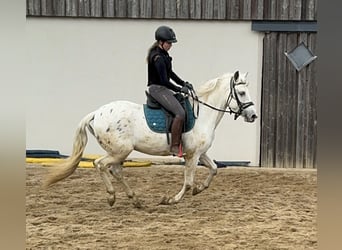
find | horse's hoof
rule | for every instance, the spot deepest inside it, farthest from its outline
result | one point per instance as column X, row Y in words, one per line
column 195, row 191
column 137, row 204
column 111, row 200
column 165, row 201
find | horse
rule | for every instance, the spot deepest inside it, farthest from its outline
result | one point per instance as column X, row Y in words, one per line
column 120, row 127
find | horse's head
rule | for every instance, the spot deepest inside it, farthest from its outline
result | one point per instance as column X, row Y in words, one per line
column 239, row 100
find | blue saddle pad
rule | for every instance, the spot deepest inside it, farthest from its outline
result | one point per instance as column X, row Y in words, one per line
column 156, row 118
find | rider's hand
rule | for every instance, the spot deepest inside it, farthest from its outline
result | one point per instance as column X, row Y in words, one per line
column 188, row 85
column 185, row 90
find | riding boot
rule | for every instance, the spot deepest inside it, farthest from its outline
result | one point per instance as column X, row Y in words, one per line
column 176, row 135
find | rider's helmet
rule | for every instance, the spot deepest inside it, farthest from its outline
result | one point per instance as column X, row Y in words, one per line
column 165, row 33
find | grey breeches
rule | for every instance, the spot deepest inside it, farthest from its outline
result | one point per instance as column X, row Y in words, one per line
column 166, row 98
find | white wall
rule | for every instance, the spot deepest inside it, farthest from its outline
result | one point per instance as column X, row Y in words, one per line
column 76, row 65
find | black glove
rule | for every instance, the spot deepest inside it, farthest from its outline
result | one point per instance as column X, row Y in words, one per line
column 188, row 85
column 185, row 90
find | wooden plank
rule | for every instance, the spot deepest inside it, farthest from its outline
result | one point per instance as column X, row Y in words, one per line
column 29, row 7
column 195, row 9
column 33, row 7
column 246, row 9
column 219, row 9
column 158, row 9
column 312, row 41
column 58, row 7
column 96, row 8
column 120, row 8
column 207, row 9
column 283, row 10
column 133, row 9
column 301, row 113
column 292, row 90
column 71, row 8
column 295, row 9
column 267, row 7
column 145, row 8
column 264, row 102
column 84, row 8
column 269, row 86
column 46, row 8
column 281, row 102
column 257, row 9
column 273, row 10
column 183, row 9
column 233, row 9
column 272, row 101
column 109, row 8
column 170, row 9
column 288, row 103
column 268, row 137
column 310, row 10
column 311, row 97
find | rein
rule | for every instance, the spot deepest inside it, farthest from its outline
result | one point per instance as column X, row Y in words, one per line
column 232, row 95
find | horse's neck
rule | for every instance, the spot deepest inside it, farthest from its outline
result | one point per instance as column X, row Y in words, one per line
column 208, row 116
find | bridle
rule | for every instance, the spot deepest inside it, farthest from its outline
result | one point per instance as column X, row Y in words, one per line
column 232, row 95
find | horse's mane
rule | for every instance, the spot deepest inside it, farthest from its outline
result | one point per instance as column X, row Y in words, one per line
column 205, row 89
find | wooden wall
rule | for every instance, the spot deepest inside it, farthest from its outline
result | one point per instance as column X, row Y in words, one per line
column 177, row 9
column 289, row 104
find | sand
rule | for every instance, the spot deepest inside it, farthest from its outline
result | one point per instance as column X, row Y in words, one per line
column 244, row 208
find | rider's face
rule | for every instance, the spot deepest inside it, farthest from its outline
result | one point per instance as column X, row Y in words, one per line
column 166, row 46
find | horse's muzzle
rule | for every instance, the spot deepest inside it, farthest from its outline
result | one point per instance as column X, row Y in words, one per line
column 252, row 118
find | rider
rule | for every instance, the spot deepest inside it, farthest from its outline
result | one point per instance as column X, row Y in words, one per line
column 161, row 89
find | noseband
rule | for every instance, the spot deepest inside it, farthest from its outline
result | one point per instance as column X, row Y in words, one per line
column 232, row 95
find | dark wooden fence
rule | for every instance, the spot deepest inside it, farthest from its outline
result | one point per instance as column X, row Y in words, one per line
column 289, row 104
column 178, row 9
column 289, row 107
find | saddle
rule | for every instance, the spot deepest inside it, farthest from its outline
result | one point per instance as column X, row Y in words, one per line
column 160, row 120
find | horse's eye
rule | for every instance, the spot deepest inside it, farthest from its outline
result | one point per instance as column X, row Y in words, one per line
column 242, row 93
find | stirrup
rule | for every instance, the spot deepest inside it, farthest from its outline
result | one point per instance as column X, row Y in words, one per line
column 180, row 151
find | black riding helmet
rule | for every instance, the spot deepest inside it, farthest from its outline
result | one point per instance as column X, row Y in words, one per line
column 165, row 33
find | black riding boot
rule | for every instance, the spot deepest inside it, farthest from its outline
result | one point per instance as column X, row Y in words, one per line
column 176, row 135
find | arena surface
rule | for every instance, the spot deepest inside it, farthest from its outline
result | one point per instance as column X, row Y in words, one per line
column 244, row 208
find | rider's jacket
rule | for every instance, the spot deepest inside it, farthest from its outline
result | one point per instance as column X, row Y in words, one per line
column 160, row 70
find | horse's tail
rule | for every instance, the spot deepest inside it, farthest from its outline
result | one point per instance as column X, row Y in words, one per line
column 69, row 165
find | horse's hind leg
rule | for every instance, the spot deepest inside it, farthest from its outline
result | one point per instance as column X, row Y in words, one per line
column 116, row 171
column 102, row 165
column 204, row 158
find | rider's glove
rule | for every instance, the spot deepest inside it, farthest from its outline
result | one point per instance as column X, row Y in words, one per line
column 185, row 90
column 188, row 85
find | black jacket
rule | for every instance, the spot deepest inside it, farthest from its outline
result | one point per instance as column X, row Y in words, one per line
column 160, row 70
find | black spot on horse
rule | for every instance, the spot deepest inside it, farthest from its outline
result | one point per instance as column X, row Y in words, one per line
column 108, row 129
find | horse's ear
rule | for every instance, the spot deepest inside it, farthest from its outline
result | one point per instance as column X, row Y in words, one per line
column 236, row 75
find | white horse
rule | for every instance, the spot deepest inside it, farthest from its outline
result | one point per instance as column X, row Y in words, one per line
column 120, row 127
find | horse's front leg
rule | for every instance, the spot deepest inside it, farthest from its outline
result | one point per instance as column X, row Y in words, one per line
column 210, row 164
column 189, row 175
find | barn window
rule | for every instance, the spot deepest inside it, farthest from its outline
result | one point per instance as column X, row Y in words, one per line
column 300, row 56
